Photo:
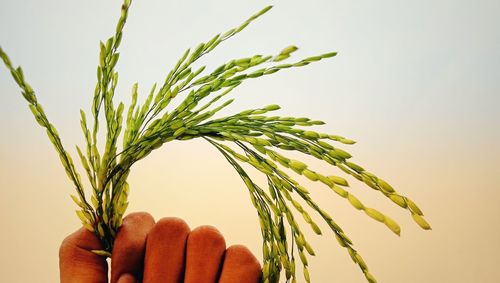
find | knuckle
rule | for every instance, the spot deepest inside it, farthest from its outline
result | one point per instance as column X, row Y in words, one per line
column 68, row 244
column 242, row 254
column 65, row 247
column 207, row 234
column 169, row 225
column 206, row 230
column 138, row 218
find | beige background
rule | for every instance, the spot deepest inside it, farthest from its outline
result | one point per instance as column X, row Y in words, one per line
column 415, row 83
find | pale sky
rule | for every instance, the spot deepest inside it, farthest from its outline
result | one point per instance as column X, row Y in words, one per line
column 416, row 83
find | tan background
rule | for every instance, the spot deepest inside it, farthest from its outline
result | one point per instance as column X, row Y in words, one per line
column 415, row 83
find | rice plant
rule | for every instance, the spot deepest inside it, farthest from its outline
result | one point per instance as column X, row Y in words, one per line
column 251, row 137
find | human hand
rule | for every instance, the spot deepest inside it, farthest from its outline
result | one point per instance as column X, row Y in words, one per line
column 166, row 251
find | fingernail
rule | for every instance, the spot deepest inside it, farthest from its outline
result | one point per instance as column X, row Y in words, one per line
column 126, row 278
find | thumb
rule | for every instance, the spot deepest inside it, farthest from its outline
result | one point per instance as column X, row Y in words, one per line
column 77, row 264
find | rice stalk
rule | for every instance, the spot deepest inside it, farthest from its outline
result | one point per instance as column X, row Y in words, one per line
column 260, row 140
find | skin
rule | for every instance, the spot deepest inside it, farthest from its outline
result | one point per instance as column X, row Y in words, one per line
column 166, row 251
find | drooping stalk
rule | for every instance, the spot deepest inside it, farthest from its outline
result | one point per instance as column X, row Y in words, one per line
column 257, row 140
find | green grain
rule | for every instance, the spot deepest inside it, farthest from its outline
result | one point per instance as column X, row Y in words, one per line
column 250, row 137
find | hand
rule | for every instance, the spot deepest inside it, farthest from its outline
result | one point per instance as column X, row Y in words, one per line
column 166, row 251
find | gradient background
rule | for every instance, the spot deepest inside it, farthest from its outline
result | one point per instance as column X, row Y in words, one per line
column 416, row 83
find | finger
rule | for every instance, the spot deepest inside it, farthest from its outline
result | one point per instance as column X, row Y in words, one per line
column 240, row 265
column 77, row 264
column 204, row 252
column 165, row 247
column 130, row 245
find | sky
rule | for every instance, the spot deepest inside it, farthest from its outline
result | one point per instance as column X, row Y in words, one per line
column 415, row 83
